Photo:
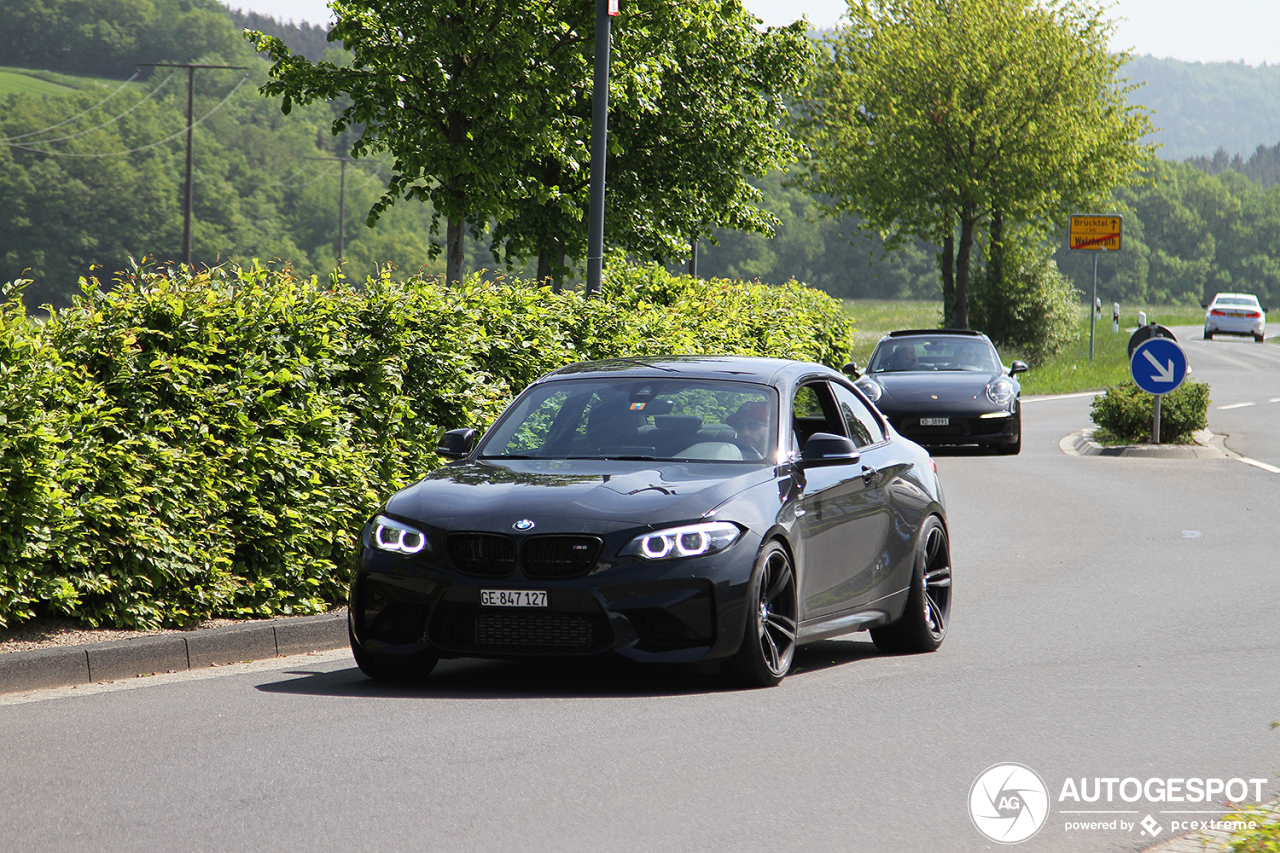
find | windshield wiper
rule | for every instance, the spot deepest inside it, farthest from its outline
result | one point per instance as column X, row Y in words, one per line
column 617, row 458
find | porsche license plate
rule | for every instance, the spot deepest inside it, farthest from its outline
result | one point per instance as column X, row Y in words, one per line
column 935, row 421
column 513, row 598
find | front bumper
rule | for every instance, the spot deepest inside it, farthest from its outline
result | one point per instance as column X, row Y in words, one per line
column 681, row 611
column 987, row 428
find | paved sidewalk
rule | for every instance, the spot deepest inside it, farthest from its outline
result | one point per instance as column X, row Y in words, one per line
column 65, row 666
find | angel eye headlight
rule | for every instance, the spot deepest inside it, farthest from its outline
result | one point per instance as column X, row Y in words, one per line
column 674, row 543
column 391, row 535
column 1000, row 391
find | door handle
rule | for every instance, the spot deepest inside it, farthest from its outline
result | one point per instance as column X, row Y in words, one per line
column 868, row 474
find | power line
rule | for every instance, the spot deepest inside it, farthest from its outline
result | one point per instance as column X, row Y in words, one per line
column 191, row 94
column 141, row 101
column 30, row 146
column 82, row 112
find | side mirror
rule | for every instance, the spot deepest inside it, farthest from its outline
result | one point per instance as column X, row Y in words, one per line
column 1018, row 367
column 456, row 443
column 823, row 448
column 851, row 369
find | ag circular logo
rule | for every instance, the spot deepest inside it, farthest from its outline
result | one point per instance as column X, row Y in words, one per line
column 524, row 524
column 1008, row 803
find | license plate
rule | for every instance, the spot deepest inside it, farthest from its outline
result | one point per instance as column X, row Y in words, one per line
column 513, row 598
column 935, row 421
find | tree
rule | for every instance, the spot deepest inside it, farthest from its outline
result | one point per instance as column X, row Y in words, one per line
column 696, row 108
column 460, row 92
column 486, row 106
column 930, row 118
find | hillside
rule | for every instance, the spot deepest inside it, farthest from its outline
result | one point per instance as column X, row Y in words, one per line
column 1201, row 107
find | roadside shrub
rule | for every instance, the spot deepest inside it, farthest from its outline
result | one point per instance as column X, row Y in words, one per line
column 1125, row 412
column 1036, row 310
column 187, row 445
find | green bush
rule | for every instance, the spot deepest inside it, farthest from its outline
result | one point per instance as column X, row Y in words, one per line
column 1036, row 310
column 190, row 445
column 1125, row 413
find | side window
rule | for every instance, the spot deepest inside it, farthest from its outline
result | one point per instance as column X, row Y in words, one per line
column 863, row 426
column 814, row 410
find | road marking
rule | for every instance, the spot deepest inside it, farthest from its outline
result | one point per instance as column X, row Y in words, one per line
column 1255, row 463
column 1274, row 400
column 1039, row 398
column 1237, row 406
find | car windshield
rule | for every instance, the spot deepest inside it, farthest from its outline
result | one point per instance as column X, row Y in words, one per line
column 659, row 419
column 943, row 352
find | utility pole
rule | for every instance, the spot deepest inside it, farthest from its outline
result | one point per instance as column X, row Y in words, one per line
column 342, row 201
column 191, row 90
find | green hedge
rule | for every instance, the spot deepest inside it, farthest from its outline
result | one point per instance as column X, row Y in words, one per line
column 1125, row 413
column 184, row 446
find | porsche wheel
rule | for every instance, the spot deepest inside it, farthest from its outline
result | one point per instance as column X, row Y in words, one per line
column 769, row 643
column 923, row 625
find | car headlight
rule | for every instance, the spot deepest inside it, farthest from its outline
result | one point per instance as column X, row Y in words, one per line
column 871, row 389
column 1000, row 390
column 391, row 535
column 675, row 543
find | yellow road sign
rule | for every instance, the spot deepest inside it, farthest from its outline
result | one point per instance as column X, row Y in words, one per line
column 1095, row 233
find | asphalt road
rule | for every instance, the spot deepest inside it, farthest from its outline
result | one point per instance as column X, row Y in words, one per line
column 1114, row 618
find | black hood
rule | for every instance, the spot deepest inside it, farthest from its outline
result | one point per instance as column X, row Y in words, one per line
column 560, row 496
column 942, row 386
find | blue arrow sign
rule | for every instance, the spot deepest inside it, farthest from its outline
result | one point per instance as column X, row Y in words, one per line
column 1158, row 365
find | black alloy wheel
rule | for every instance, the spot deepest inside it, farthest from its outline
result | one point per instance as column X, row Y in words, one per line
column 388, row 668
column 769, row 641
column 923, row 625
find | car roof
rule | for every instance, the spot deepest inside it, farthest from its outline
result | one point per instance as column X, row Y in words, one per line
column 1235, row 296
column 934, row 333
column 762, row 370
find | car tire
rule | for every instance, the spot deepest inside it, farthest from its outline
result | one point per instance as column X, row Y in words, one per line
column 769, row 638
column 387, row 668
column 1259, row 338
column 923, row 625
column 1208, row 335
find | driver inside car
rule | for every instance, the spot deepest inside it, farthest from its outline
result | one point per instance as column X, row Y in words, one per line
column 751, row 421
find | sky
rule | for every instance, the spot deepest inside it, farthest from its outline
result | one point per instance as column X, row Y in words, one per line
column 1190, row 30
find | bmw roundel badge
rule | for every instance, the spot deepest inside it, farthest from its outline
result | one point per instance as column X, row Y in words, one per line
column 524, row 524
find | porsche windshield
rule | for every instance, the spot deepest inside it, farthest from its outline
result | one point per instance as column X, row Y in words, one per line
column 944, row 352
column 660, row 419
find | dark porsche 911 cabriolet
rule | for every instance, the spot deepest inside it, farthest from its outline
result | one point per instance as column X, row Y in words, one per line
column 946, row 387
column 669, row 509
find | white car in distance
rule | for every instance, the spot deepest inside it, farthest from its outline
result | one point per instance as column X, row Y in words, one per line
column 1235, row 314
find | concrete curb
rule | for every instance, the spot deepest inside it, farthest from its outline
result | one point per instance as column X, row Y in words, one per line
column 65, row 666
column 1207, row 446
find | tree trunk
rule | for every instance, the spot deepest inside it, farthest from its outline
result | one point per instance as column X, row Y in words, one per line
column 963, row 254
column 551, row 264
column 453, row 250
column 544, row 267
column 995, row 263
column 947, row 262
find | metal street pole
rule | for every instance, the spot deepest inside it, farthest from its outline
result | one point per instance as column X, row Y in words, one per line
column 189, row 192
column 599, row 146
column 1093, row 304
